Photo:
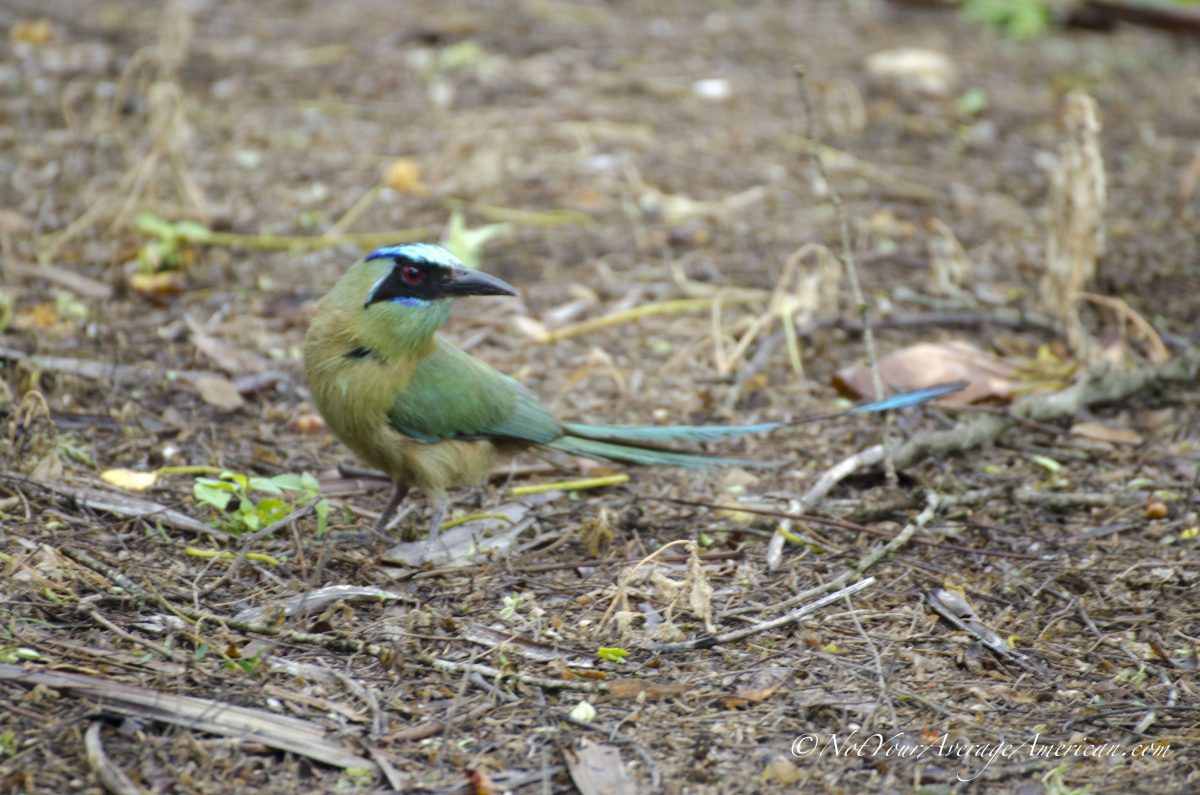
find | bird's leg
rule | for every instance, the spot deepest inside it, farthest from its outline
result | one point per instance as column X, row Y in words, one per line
column 438, row 516
column 389, row 511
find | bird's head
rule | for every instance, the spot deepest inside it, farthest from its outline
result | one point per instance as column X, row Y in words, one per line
column 395, row 300
column 416, row 275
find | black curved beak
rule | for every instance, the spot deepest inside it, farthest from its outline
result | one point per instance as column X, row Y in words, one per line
column 463, row 281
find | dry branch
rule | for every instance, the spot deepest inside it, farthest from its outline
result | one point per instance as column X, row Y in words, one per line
column 202, row 714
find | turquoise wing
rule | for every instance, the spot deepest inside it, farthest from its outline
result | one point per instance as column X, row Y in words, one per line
column 453, row 395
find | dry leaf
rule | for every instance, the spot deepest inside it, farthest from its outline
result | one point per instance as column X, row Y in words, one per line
column 598, row 770
column 912, row 71
column 529, row 327
column 161, row 283
column 217, row 390
column 35, row 32
column 403, row 174
column 480, row 783
column 633, row 688
column 764, row 684
column 129, row 479
column 309, row 423
column 230, row 357
column 1106, row 433
column 41, row 317
column 781, row 771
column 929, row 363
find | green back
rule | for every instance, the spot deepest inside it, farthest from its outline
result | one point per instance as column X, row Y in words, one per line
column 453, row 395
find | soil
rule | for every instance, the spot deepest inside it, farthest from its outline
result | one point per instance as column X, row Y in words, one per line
column 637, row 153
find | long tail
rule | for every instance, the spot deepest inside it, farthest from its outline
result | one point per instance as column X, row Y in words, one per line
column 634, row 443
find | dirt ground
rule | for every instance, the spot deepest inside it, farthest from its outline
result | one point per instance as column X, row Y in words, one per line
column 1038, row 633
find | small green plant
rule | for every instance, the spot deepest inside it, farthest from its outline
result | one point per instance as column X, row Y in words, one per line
column 247, row 665
column 511, row 608
column 9, row 744
column 238, row 512
column 467, row 243
column 612, row 653
column 170, row 241
column 1020, row 19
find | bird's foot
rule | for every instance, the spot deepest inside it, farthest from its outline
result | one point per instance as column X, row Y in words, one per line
column 434, row 544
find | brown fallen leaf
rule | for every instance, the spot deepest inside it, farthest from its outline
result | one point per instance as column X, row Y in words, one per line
column 929, row 363
column 598, row 770
column 404, row 174
column 35, row 32
column 219, row 391
column 39, row 317
column 309, row 423
column 1100, row 432
column 480, row 783
column 762, row 687
column 632, row 688
column 155, row 284
column 781, row 771
column 232, row 358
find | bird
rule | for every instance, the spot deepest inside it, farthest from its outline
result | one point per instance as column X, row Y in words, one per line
column 407, row 401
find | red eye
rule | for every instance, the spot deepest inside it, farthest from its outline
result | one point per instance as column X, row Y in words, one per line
column 411, row 274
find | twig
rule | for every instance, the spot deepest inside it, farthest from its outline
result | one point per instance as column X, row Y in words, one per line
column 789, row 618
column 430, row 728
column 880, row 676
column 111, row 777
column 825, row 483
column 1172, row 695
column 85, row 606
column 985, row 635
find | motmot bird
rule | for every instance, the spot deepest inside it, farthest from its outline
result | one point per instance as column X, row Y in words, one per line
column 407, row 401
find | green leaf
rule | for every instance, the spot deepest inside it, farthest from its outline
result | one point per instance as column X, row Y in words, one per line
column 9, row 744
column 286, row 482
column 322, row 511
column 151, row 224
column 1046, row 463
column 973, row 102
column 612, row 653
column 193, row 231
column 213, row 492
column 1020, row 19
column 265, row 485
column 360, row 776
column 272, row 510
column 246, row 665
